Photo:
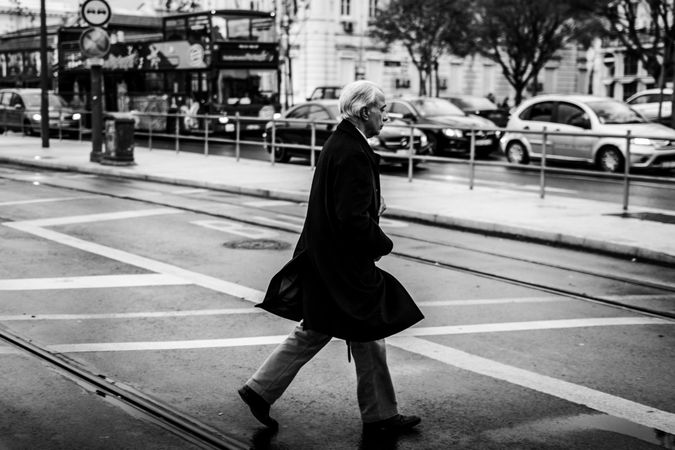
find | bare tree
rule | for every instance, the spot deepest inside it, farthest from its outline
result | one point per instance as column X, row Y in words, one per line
column 522, row 35
column 427, row 29
column 647, row 32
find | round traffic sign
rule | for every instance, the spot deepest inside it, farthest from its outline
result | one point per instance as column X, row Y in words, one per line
column 95, row 12
column 94, row 42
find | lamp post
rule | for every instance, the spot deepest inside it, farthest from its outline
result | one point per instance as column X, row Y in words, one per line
column 44, row 78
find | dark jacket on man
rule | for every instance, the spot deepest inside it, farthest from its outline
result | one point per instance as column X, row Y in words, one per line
column 332, row 282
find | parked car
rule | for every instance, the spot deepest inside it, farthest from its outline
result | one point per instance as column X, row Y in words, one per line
column 653, row 146
column 455, row 134
column 20, row 110
column 647, row 103
column 480, row 106
column 394, row 138
column 325, row 92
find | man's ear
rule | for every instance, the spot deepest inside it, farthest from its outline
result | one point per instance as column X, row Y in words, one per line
column 365, row 113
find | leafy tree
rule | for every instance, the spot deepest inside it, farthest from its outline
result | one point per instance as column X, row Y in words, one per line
column 182, row 5
column 647, row 32
column 427, row 29
column 522, row 35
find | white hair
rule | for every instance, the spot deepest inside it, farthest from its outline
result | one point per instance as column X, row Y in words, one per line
column 356, row 95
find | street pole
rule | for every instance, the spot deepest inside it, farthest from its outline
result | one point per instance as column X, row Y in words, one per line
column 44, row 78
column 96, row 114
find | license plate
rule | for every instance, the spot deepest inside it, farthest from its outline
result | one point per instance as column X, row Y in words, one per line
column 483, row 141
column 229, row 127
column 253, row 127
column 668, row 164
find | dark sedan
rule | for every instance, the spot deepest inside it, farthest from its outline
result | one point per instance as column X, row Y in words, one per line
column 294, row 137
column 480, row 106
column 447, row 127
column 20, row 110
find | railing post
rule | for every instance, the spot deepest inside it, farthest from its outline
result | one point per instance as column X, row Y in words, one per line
column 411, row 149
column 472, row 158
column 312, row 161
column 237, row 136
column 542, row 172
column 273, row 143
column 177, row 131
column 60, row 125
column 626, row 173
column 206, row 135
column 150, row 131
column 79, row 127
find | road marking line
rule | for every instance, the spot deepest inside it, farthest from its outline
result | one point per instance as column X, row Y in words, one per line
column 533, row 325
column 47, row 200
column 94, row 217
column 132, row 315
column 9, row 351
column 216, row 284
column 266, row 203
column 286, row 224
column 428, row 331
column 599, row 401
column 87, row 282
column 239, row 229
column 502, row 184
column 494, row 301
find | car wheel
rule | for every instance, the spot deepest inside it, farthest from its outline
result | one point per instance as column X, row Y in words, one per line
column 27, row 128
column 281, row 153
column 610, row 159
column 516, row 153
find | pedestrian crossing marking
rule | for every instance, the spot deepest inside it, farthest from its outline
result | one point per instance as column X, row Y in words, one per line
column 47, row 200
column 88, row 282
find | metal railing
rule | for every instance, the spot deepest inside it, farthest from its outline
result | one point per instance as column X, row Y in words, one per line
column 173, row 126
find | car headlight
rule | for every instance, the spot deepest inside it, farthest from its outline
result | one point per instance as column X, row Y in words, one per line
column 373, row 141
column 424, row 140
column 77, row 116
column 223, row 119
column 453, row 133
column 642, row 141
column 37, row 117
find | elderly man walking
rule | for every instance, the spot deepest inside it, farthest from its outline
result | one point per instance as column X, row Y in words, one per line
column 332, row 285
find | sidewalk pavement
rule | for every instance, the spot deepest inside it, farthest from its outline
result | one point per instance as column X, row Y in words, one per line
column 576, row 222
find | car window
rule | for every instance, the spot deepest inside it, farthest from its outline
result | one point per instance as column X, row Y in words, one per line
column 16, row 100
column 399, row 108
column 299, row 113
column 436, row 107
column 4, row 98
column 615, row 112
column 569, row 113
column 540, row 112
column 317, row 112
column 473, row 103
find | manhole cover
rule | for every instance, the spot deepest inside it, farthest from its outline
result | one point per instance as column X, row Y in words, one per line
column 257, row 244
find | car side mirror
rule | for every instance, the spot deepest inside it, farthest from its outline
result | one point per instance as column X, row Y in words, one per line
column 581, row 122
column 18, row 106
column 410, row 117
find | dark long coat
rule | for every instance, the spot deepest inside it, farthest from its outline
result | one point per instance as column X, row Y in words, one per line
column 332, row 282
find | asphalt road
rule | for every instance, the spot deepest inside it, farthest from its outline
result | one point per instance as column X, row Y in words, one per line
column 153, row 286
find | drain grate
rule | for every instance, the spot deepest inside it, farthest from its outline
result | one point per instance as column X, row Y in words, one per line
column 257, row 244
column 652, row 217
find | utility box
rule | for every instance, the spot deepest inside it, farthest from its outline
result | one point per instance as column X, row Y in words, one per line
column 119, row 141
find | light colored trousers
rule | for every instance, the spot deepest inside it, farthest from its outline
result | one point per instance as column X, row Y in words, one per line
column 375, row 391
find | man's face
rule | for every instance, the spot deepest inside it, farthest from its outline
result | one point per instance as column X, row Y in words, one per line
column 377, row 115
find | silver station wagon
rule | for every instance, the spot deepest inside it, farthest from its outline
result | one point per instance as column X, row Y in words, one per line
column 586, row 118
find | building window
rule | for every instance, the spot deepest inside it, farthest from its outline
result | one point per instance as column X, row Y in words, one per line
column 372, row 8
column 345, row 7
column 630, row 65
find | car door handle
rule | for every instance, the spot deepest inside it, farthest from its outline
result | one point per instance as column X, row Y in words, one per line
column 526, row 128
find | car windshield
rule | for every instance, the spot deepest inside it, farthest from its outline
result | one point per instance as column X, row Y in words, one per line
column 474, row 103
column 436, row 107
column 33, row 100
column 615, row 112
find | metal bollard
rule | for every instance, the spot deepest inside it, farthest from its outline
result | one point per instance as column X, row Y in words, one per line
column 626, row 173
column 472, row 159
column 411, row 150
column 206, row 136
column 237, row 136
column 312, row 161
column 274, row 138
column 150, row 134
column 60, row 125
column 542, row 173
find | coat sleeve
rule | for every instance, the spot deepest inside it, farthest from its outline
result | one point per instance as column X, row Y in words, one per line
column 355, row 197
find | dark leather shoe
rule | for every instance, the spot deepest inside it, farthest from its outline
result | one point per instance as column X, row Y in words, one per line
column 259, row 407
column 396, row 424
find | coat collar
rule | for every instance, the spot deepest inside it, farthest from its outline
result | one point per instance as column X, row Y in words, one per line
column 349, row 128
